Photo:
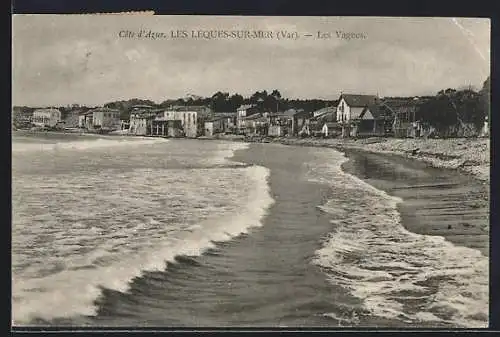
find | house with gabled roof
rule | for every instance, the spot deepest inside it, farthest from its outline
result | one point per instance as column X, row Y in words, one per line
column 360, row 115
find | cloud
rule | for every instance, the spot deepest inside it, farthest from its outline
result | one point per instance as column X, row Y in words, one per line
column 80, row 59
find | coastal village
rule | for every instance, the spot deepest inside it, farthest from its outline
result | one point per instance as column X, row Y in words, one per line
column 352, row 115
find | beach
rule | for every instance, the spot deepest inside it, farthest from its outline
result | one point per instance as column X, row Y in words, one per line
column 471, row 156
column 191, row 233
column 436, row 201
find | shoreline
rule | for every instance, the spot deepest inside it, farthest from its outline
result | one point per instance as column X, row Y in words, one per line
column 468, row 156
column 435, row 201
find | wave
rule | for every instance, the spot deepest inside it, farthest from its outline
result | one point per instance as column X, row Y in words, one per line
column 85, row 144
column 74, row 292
column 225, row 150
column 417, row 279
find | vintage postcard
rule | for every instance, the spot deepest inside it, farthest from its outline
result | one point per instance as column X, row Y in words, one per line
column 237, row 171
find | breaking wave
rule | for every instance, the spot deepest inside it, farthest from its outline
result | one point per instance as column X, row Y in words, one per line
column 105, row 235
column 85, row 144
column 417, row 279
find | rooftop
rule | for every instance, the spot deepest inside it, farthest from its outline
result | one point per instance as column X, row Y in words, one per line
column 246, row 106
column 106, row 109
column 142, row 106
column 145, row 113
column 225, row 114
column 188, row 108
column 325, row 117
column 325, row 110
column 355, row 100
column 251, row 117
column 47, row 110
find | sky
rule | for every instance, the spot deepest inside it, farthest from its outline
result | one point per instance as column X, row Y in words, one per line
column 82, row 59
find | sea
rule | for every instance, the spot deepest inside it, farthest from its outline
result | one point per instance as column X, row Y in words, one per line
column 117, row 231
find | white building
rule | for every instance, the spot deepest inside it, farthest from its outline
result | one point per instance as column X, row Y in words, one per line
column 140, row 122
column 275, row 130
column 105, row 118
column 242, row 112
column 360, row 114
column 209, row 128
column 81, row 120
column 188, row 120
column 350, row 106
column 46, row 117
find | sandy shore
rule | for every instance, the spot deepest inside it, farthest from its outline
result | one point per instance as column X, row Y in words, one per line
column 471, row 156
column 436, row 201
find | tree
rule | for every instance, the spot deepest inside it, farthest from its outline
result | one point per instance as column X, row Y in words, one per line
column 258, row 97
column 220, row 102
column 236, row 100
column 276, row 95
column 437, row 112
column 450, row 108
column 167, row 103
column 126, row 106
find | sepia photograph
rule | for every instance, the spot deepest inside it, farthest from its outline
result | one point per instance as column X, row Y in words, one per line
column 184, row 171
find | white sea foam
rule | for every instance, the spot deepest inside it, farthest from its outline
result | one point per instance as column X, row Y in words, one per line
column 225, row 150
column 398, row 274
column 124, row 248
column 85, row 144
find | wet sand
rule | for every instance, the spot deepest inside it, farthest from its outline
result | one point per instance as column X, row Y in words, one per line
column 436, row 201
